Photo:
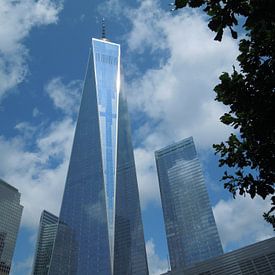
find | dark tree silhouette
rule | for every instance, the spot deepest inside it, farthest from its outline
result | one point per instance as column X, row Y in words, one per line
column 249, row 94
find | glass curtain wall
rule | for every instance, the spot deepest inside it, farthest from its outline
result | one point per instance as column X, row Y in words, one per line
column 101, row 187
column 191, row 230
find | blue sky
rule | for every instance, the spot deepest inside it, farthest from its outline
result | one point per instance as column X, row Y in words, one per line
column 170, row 65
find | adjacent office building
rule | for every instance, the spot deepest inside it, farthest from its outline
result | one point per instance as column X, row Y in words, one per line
column 44, row 244
column 10, row 217
column 258, row 258
column 191, row 230
column 100, row 229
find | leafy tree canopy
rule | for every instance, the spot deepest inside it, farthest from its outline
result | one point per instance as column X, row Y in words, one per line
column 249, row 94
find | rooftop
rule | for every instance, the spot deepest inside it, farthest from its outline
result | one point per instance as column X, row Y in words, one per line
column 2, row 182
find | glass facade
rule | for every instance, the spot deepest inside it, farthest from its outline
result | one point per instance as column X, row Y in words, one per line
column 191, row 230
column 255, row 259
column 44, row 245
column 10, row 217
column 129, row 247
column 85, row 241
column 106, row 57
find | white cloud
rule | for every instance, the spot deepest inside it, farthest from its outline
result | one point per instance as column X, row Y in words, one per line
column 17, row 18
column 113, row 9
column 180, row 94
column 65, row 96
column 147, row 177
column 240, row 221
column 39, row 181
column 145, row 32
column 35, row 112
column 156, row 264
column 39, row 171
column 176, row 99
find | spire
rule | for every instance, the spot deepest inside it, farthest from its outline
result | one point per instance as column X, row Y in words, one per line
column 103, row 37
column 103, row 34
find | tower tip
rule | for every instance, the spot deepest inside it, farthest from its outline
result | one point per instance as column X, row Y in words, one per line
column 103, row 29
column 103, row 34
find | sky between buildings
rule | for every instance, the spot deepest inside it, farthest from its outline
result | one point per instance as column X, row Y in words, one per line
column 170, row 65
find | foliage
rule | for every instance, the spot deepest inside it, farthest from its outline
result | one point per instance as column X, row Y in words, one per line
column 249, row 94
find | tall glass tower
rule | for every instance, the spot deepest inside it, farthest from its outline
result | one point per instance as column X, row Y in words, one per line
column 10, row 217
column 100, row 229
column 44, row 244
column 191, row 230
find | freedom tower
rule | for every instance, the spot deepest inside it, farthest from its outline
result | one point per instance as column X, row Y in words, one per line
column 100, row 228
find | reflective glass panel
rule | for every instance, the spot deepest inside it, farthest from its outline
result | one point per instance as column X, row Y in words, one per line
column 191, row 230
column 106, row 59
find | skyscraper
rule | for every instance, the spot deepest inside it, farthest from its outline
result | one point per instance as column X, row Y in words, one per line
column 191, row 230
column 10, row 217
column 100, row 230
column 44, row 244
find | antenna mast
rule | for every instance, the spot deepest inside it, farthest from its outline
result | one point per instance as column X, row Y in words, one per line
column 103, row 36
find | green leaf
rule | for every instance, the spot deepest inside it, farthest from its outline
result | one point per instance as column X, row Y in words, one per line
column 180, row 3
column 196, row 3
column 233, row 33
